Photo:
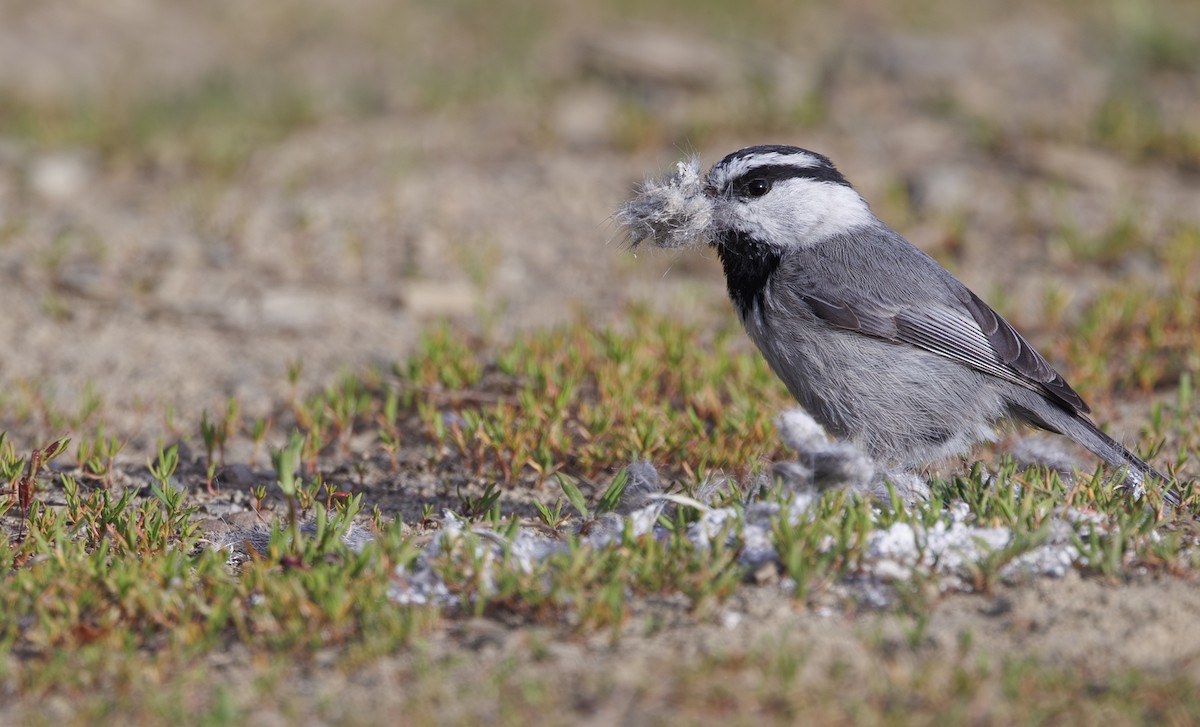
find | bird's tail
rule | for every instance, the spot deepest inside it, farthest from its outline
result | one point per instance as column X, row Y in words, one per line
column 1137, row 474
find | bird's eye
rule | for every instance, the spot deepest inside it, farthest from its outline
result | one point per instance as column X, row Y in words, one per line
column 758, row 187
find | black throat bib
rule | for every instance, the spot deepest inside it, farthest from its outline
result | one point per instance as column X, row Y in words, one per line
column 748, row 266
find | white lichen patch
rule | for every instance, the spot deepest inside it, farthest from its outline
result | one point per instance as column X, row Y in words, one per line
column 954, row 550
column 670, row 212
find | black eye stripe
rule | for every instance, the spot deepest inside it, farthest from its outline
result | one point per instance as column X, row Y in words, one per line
column 773, row 173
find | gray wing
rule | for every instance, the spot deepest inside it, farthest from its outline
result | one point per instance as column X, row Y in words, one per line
column 974, row 335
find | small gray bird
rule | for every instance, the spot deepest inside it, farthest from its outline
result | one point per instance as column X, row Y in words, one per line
column 875, row 339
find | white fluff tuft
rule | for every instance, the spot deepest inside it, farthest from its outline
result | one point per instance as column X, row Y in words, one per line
column 670, row 212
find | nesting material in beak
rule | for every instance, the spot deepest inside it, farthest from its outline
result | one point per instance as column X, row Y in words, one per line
column 672, row 212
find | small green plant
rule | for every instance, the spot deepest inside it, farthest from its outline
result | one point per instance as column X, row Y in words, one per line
column 209, row 434
column 388, row 430
column 609, row 499
column 258, row 431
column 552, row 518
column 23, row 479
column 286, row 462
column 485, row 505
column 96, row 457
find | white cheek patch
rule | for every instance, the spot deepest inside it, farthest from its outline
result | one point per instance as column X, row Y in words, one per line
column 670, row 212
column 799, row 211
column 761, row 219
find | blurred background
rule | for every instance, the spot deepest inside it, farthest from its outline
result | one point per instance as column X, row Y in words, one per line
column 195, row 196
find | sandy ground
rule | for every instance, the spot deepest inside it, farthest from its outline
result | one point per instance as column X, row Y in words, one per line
column 337, row 242
column 668, row 668
column 473, row 180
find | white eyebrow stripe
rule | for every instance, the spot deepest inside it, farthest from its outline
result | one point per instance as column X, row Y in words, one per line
column 719, row 175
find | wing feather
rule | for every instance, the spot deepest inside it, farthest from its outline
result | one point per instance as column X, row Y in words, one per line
column 1015, row 351
column 974, row 335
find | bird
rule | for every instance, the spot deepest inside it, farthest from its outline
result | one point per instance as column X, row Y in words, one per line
column 876, row 340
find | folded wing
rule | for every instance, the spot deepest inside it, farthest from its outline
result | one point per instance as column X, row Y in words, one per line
column 974, row 335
